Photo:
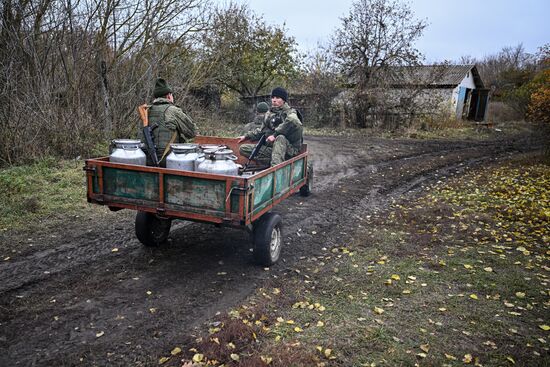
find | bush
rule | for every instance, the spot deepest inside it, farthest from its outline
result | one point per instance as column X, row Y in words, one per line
column 539, row 105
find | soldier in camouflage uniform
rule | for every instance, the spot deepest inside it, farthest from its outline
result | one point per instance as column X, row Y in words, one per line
column 283, row 129
column 261, row 110
column 169, row 123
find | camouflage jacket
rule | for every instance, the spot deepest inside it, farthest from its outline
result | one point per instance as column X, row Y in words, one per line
column 281, row 121
column 165, row 118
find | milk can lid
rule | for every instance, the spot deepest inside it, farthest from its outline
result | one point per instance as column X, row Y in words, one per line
column 223, row 154
column 126, row 143
column 184, row 147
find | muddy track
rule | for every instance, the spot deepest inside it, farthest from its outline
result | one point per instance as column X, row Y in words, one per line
column 92, row 295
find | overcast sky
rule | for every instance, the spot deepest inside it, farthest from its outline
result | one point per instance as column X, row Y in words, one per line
column 455, row 28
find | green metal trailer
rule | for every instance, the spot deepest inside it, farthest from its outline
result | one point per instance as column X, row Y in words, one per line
column 161, row 195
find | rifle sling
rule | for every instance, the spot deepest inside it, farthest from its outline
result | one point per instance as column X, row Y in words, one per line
column 172, row 140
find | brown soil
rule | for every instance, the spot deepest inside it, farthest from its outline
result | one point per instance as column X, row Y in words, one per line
column 84, row 291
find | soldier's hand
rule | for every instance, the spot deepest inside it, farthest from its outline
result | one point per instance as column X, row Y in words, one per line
column 241, row 139
column 271, row 138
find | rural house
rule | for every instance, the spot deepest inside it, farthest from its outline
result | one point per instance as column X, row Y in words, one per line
column 458, row 88
column 404, row 93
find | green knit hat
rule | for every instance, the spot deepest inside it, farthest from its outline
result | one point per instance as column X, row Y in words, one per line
column 262, row 107
column 161, row 88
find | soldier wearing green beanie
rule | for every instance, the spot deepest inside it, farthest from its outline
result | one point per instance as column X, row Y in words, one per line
column 283, row 129
column 169, row 123
column 261, row 110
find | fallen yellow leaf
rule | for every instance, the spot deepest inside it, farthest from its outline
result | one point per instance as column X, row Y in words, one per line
column 488, row 269
column 544, row 327
column 473, row 296
column 450, row 357
column 395, row 277
column 467, row 358
column 328, row 352
column 198, row 357
column 425, row 347
column 378, row 310
column 163, row 360
column 266, row 360
column 175, row 351
column 298, row 329
column 520, row 295
column 234, row 357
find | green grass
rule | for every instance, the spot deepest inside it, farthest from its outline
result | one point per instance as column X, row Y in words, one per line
column 36, row 191
column 445, row 280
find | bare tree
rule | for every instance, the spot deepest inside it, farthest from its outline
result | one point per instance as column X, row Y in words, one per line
column 375, row 35
column 318, row 82
column 73, row 70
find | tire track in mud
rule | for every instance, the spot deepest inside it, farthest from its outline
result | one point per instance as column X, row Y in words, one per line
column 95, row 290
column 94, row 247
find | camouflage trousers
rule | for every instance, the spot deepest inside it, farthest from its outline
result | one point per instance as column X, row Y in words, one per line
column 280, row 151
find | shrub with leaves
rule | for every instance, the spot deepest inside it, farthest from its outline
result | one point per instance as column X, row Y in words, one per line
column 539, row 106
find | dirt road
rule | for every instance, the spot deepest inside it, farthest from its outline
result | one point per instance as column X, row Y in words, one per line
column 84, row 291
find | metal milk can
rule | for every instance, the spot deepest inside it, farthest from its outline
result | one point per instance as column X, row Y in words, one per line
column 219, row 161
column 183, row 156
column 127, row 151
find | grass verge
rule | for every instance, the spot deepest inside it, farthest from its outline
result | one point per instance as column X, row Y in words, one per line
column 459, row 276
column 33, row 192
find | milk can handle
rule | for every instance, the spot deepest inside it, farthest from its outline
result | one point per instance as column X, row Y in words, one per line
column 131, row 147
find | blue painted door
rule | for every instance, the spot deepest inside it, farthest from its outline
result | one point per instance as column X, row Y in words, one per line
column 460, row 102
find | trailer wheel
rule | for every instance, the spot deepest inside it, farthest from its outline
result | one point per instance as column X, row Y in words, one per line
column 151, row 231
column 268, row 239
column 306, row 189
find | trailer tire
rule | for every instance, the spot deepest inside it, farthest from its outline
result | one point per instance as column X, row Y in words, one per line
column 151, row 230
column 268, row 239
column 306, row 189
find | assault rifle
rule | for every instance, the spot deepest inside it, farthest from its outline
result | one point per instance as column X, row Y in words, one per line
column 255, row 151
column 148, row 134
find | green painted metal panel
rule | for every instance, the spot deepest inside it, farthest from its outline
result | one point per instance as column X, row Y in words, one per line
column 263, row 191
column 130, row 184
column 235, row 202
column 282, row 179
column 95, row 184
column 298, row 170
column 195, row 192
